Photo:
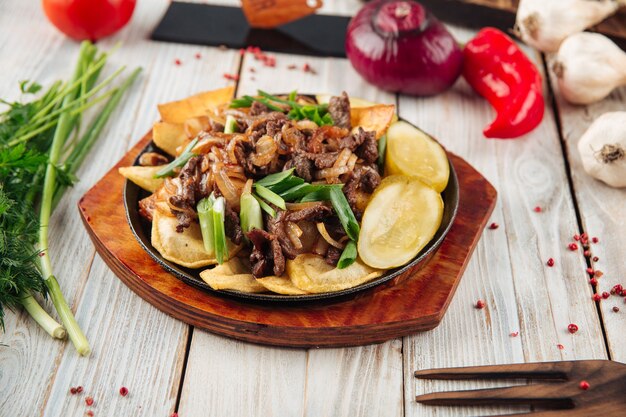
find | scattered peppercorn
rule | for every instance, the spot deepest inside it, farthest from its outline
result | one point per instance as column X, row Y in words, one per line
column 89, row 401
column 123, row 391
column 596, row 259
column 537, row 209
column 596, row 297
column 494, row 226
column 177, row 62
column 572, row 328
column 576, row 238
column 616, row 309
column 198, row 56
column 572, row 246
column 584, row 385
column 480, row 304
column 599, row 273
column 605, row 295
column 231, row 77
column 514, row 334
column 590, row 271
column 89, row 413
column 79, row 389
column 587, row 254
column 174, row 415
column 550, row 262
column 593, row 281
column 595, row 239
column 617, row 289
column 73, row 391
column 584, row 236
column 560, row 346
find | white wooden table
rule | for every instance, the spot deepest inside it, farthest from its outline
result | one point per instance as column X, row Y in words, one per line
column 169, row 366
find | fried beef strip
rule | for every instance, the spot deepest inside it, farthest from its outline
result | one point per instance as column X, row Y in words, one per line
column 267, row 256
column 368, row 147
column 232, row 226
column 185, row 198
column 364, row 178
column 332, row 256
column 257, row 108
column 272, row 247
column 339, row 109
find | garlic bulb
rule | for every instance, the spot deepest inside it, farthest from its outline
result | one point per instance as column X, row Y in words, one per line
column 602, row 149
column 588, row 67
column 544, row 24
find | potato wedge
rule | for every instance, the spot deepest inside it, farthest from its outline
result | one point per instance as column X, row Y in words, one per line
column 169, row 136
column 232, row 275
column 280, row 285
column 376, row 118
column 186, row 248
column 143, row 176
column 312, row 274
column 196, row 105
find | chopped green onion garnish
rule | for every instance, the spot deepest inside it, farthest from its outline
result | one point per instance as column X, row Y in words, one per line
column 270, row 196
column 250, row 213
column 274, row 179
column 348, row 256
column 231, row 125
column 345, row 214
column 205, row 216
column 382, row 148
column 168, row 170
column 219, row 233
column 266, row 207
column 296, row 192
column 286, row 184
column 320, row 193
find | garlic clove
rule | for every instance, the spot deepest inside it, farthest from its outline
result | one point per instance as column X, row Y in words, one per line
column 544, row 24
column 588, row 67
column 602, row 149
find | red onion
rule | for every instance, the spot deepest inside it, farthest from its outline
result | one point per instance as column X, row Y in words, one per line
column 400, row 46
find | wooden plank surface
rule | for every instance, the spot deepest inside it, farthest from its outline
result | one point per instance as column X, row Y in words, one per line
column 602, row 211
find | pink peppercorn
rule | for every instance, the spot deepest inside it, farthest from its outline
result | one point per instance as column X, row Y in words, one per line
column 550, row 262
column 480, row 304
column 584, row 385
column 572, row 246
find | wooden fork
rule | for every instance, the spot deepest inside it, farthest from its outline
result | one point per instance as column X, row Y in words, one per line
column 563, row 393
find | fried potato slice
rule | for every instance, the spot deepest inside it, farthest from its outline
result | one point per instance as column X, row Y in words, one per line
column 280, row 285
column 196, row 105
column 376, row 118
column 169, row 136
column 232, row 275
column 143, row 176
column 186, row 248
column 312, row 274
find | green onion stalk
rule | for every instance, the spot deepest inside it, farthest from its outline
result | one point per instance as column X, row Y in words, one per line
column 64, row 115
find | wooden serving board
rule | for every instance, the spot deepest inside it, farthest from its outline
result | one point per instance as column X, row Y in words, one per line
column 413, row 302
column 501, row 14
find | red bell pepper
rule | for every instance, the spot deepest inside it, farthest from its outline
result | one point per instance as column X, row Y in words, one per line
column 498, row 70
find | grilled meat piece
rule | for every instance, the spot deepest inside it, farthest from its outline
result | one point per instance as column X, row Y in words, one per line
column 303, row 166
column 314, row 214
column 267, row 256
column 368, row 149
column 232, row 225
column 364, row 178
column 257, row 108
column 339, row 109
column 332, row 256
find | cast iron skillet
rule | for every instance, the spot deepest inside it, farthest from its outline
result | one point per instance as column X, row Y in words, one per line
column 142, row 231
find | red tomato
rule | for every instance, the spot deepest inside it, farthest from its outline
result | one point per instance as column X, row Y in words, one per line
column 89, row 19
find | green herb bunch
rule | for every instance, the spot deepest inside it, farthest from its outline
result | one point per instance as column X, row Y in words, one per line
column 41, row 147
